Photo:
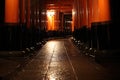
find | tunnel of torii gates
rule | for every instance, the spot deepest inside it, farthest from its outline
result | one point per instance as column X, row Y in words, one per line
column 86, row 14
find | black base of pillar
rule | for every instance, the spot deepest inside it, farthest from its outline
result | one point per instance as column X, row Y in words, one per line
column 100, row 35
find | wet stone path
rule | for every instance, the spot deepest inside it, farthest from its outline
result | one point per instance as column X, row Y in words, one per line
column 60, row 60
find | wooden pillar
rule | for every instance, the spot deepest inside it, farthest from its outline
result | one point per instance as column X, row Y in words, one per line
column 104, row 10
column 28, row 11
column 89, row 4
column 76, row 14
column 22, row 11
column 62, row 21
column 11, row 11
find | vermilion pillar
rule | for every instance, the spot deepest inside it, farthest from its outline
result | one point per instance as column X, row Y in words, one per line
column 22, row 14
column 89, row 11
column 74, row 16
column 100, row 10
column 104, row 10
column 57, row 20
column 73, row 20
column 11, row 11
column 84, row 13
column 28, row 14
column 95, row 11
column 78, row 4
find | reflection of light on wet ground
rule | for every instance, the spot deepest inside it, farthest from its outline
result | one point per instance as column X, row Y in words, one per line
column 55, row 49
column 51, row 44
column 55, row 62
column 52, row 77
column 54, row 46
